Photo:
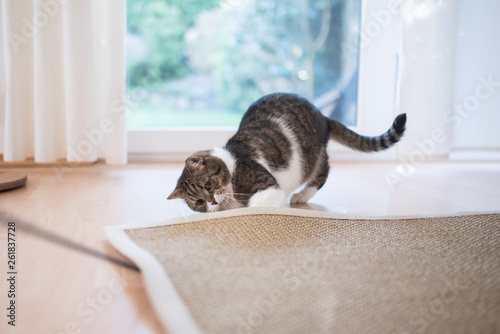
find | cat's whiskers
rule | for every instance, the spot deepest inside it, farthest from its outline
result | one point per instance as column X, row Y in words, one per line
column 236, row 202
column 228, row 203
column 232, row 202
column 225, row 205
column 242, row 194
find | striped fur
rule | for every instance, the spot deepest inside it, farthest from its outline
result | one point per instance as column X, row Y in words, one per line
column 279, row 146
column 343, row 135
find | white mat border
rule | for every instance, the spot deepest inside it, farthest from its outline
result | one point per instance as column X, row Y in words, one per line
column 167, row 303
column 289, row 212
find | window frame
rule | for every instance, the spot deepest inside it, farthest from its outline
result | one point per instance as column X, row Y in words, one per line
column 376, row 100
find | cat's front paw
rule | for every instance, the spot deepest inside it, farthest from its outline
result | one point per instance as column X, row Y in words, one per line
column 303, row 196
column 269, row 197
column 298, row 199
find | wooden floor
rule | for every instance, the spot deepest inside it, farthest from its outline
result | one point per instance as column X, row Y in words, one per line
column 64, row 291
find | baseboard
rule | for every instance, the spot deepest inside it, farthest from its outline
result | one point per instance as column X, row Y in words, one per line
column 30, row 162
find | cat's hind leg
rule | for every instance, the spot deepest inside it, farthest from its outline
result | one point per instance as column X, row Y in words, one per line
column 314, row 184
column 269, row 197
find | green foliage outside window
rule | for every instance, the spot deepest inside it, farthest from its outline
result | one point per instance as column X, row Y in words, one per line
column 207, row 57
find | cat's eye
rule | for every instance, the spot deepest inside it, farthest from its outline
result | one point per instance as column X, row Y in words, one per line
column 200, row 202
column 208, row 185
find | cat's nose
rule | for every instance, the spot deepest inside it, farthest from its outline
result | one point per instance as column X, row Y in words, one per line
column 214, row 202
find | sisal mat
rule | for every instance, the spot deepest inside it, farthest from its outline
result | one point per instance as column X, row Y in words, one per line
column 291, row 271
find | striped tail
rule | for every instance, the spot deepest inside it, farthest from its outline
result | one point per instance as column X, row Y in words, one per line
column 344, row 136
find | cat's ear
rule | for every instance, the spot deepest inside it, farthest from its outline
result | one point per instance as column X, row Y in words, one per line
column 194, row 162
column 177, row 193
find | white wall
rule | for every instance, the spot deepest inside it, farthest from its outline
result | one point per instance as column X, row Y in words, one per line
column 478, row 55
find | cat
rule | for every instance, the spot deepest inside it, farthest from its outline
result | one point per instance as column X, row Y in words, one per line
column 279, row 146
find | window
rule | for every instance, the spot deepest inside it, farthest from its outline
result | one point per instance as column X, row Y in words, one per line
column 202, row 62
column 194, row 67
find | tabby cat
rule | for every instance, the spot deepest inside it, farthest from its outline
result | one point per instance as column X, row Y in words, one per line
column 279, row 146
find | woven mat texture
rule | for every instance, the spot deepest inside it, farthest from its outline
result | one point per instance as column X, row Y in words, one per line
column 290, row 274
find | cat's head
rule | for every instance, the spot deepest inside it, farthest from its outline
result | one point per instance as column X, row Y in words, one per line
column 203, row 182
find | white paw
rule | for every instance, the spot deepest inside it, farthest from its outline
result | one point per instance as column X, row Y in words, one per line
column 303, row 196
column 269, row 197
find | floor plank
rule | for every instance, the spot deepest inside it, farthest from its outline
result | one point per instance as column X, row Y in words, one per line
column 61, row 289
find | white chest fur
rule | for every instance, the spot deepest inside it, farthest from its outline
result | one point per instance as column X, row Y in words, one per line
column 289, row 178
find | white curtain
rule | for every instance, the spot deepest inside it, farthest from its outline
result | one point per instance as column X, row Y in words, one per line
column 62, row 80
column 449, row 77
